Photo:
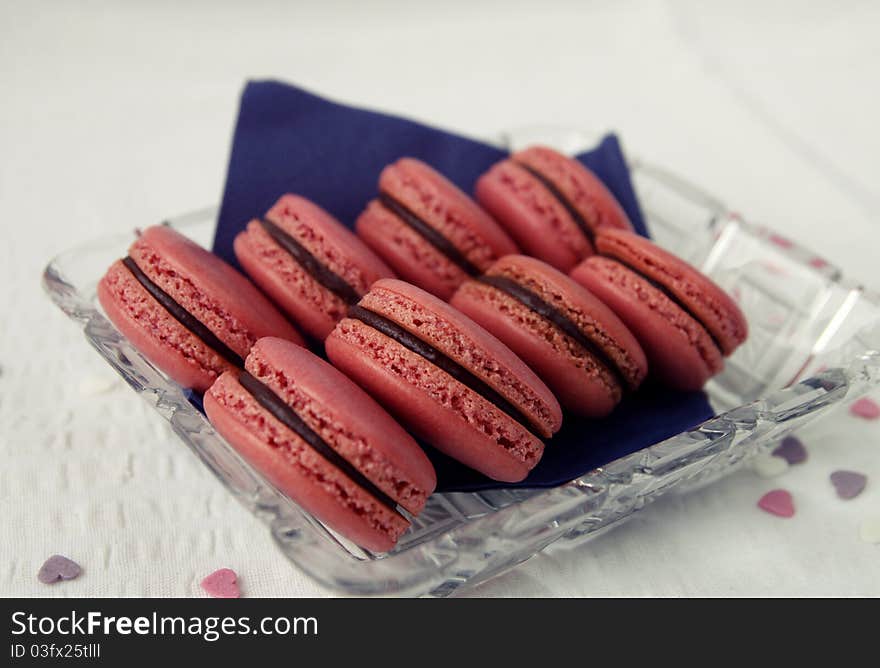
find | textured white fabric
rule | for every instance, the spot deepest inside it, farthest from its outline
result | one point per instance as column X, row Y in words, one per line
column 114, row 116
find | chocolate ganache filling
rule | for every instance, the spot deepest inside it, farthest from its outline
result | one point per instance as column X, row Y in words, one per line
column 562, row 199
column 549, row 312
column 183, row 316
column 411, row 342
column 431, row 235
column 316, row 269
column 266, row 398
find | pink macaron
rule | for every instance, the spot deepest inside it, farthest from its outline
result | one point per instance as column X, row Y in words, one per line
column 575, row 343
column 185, row 309
column 429, row 231
column 550, row 204
column 684, row 321
column 447, row 379
column 308, row 263
column 323, row 442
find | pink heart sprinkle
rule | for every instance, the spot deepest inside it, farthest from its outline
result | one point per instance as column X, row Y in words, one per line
column 848, row 484
column 865, row 408
column 791, row 450
column 222, row 584
column 58, row 568
column 777, row 502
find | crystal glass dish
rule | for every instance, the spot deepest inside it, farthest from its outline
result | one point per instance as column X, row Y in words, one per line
column 814, row 340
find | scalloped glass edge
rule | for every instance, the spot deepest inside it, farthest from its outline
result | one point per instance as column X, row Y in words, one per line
column 463, row 539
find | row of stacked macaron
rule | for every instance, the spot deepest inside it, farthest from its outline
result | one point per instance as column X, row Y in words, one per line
column 472, row 352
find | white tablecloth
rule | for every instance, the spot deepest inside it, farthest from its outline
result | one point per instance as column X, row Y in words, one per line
column 116, row 115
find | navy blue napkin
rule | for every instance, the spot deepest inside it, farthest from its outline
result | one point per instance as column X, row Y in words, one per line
column 289, row 140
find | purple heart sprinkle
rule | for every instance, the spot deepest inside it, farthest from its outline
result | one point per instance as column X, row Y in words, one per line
column 791, row 450
column 865, row 408
column 849, row 484
column 58, row 568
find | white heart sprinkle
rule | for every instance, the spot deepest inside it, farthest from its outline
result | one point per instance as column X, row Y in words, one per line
column 92, row 386
column 870, row 530
column 769, row 466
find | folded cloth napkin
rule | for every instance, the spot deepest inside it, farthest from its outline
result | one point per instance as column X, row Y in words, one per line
column 289, row 140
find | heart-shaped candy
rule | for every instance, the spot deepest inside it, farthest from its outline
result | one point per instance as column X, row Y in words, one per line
column 849, row 484
column 222, row 584
column 777, row 502
column 791, row 450
column 865, row 408
column 58, row 568
column 769, row 466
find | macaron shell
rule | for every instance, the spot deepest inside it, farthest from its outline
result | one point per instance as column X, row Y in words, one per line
column 316, row 308
column 440, row 205
column 312, row 306
column 316, row 485
column 333, row 244
column 437, row 201
column 579, row 383
column 536, row 220
column 679, row 351
column 411, row 256
column 467, row 343
column 597, row 206
column 580, row 305
column 156, row 333
column 432, row 404
column 707, row 301
column 212, row 291
column 582, row 384
column 347, row 418
column 220, row 297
